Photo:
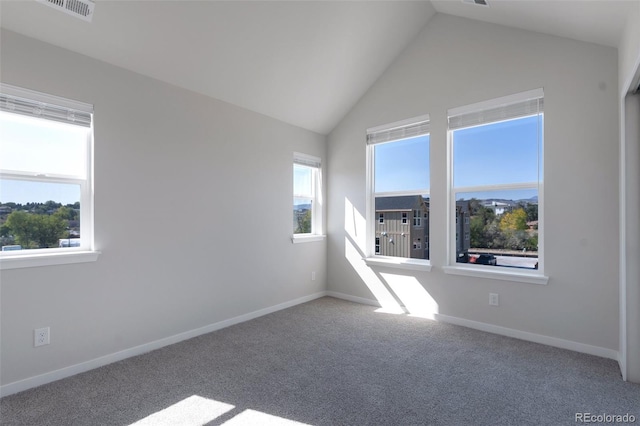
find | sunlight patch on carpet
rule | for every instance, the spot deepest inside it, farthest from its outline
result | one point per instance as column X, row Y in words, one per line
column 413, row 295
column 252, row 417
column 192, row 411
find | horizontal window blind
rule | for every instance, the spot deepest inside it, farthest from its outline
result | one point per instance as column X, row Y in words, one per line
column 306, row 160
column 401, row 130
column 33, row 104
column 486, row 113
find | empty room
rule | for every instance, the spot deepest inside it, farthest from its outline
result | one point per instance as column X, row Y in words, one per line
column 319, row 212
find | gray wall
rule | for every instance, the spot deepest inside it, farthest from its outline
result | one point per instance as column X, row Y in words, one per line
column 193, row 203
column 456, row 62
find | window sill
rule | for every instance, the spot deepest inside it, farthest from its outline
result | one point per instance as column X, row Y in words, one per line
column 296, row 239
column 399, row 262
column 48, row 259
column 481, row 272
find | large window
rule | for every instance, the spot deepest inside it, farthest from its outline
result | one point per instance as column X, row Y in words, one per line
column 496, row 148
column 46, row 199
column 307, row 208
column 399, row 182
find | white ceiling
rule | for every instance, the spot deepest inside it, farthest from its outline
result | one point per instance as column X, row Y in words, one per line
column 302, row 62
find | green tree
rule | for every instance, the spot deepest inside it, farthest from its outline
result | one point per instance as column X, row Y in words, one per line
column 304, row 223
column 36, row 230
column 66, row 213
column 481, row 220
column 478, row 238
column 532, row 243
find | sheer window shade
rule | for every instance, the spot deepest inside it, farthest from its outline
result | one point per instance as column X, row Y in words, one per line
column 306, row 160
column 508, row 108
column 33, row 104
column 401, row 130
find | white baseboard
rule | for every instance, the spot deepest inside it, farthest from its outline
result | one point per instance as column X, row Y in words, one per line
column 504, row 331
column 72, row 370
column 351, row 298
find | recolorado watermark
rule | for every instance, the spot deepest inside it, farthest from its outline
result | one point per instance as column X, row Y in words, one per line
column 604, row 418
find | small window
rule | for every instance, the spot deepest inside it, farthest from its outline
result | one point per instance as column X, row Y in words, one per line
column 377, row 245
column 381, row 218
column 417, row 244
column 496, row 148
column 405, row 219
column 45, row 174
column 306, row 200
column 417, row 220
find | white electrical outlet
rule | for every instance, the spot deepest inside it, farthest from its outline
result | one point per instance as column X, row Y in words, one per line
column 313, row 276
column 494, row 299
column 41, row 336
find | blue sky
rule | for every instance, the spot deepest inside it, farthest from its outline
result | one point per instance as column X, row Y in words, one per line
column 23, row 192
column 402, row 165
column 40, row 146
column 499, row 153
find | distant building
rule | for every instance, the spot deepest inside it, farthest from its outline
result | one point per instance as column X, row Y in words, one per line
column 402, row 226
column 498, row 207
column 463, row 231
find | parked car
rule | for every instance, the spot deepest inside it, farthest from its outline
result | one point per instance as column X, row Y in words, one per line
column 487, row 259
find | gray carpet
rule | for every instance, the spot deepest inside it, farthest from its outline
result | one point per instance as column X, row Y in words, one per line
column 331, row 362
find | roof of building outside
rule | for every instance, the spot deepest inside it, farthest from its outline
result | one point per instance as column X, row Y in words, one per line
column 398, row 203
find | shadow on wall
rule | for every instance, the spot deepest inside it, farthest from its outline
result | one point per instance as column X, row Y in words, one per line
column 396, row 293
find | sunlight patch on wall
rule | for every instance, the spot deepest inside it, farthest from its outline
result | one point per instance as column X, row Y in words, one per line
column 388, row 303
column 412, row 294
column 355, row 225
column 192, row 411
column 252, row 417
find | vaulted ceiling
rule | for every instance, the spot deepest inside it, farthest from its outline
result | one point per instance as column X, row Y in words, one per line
column 302, row 62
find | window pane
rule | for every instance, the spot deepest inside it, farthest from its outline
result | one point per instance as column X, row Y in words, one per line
column 302, row 211
column 502, row 229
column 498, row 153
column 42, row 146
column 402, row 165
column 302, row 180
column 396, row 235
column 38, row 215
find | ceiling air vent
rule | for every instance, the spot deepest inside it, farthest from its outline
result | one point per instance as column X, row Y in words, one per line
column 476, row 2
column 82, row 9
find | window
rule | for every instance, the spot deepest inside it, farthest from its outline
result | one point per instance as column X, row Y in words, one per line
column 417, row 220
column 46, row 201
column 496, row 148
column 307, row 210
column 398, row 186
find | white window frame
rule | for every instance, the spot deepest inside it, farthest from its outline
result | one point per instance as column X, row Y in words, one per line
column 478, row 112
column 389, row 133
column 48, row 107
column 315, row 164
